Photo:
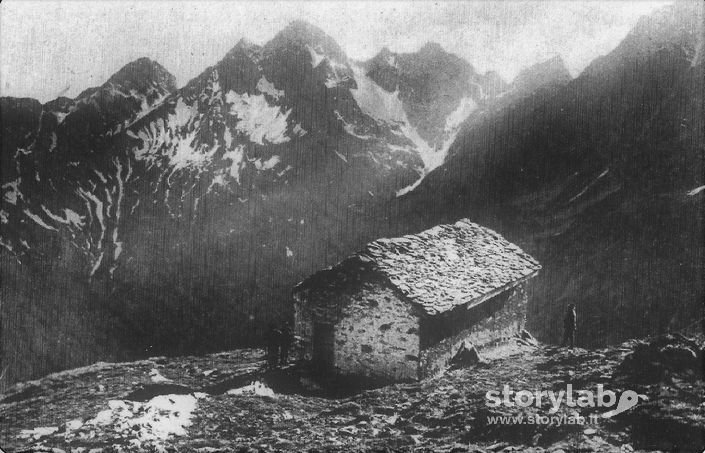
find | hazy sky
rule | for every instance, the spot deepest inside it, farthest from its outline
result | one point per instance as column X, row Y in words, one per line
column 49, row 48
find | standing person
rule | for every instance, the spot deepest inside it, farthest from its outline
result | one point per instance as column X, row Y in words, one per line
column 286, row 340
column 570, row 323
column 273, row 339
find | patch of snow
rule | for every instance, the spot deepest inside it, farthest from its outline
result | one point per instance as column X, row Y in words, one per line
column 54, row 139
column 73, row 425
column 218, row 180
column 146, row 108
column 185, row 154
column 257, row 118
column 38, row 220
column 264, row 86
column 152, row 139
column 299, row 131
column 281, row 173
column 101, row 176
column 182, row 114
column 73, row 218
column 97, row 264
column 394, row 148
column 6, row 245
column 157, row 377
column 350, row 128
column 156, row 420
column 334, row 79
column 411, row 187
column 215, row 84
column 88, row 197
column 132, row 210
column 343, row 158
column 267, row 164
column 14, row 194
column 696, row 191
column 376, row 102
column 53, row 216
column 132, row 134
column 434, row 157
column 316, row 58
column 60, row 116
column 255, row 389
column 227, row 138
column 235, row 157
column 592, row 183
column 36, row 433
column 460, row 114
column 386, row 107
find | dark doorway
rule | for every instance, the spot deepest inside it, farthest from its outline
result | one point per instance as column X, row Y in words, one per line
column 323, row 347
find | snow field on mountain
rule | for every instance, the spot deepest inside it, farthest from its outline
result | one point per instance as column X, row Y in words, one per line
column 257, row 118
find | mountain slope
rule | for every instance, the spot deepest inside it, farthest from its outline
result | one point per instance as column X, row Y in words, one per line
column 56, row 216
column 544, row 75
column 599, row 180
column 439, row 92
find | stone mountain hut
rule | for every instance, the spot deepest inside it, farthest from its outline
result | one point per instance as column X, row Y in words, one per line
column 401, row 308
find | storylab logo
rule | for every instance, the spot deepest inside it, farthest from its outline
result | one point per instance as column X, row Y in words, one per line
column 600, row 397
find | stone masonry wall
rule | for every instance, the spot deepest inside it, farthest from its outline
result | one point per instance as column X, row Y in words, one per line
column 491, row 323
column 378, row 335
column 303, row 328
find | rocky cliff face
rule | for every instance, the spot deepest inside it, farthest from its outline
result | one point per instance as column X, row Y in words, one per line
column 439, row 92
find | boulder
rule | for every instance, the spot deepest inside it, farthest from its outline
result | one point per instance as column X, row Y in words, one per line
column 666, row 354
column 467, row 355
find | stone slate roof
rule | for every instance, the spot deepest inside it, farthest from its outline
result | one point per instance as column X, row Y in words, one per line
column 446, row 266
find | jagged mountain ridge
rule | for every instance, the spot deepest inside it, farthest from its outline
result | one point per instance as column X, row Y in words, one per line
column 438, row 91
column 182, row 217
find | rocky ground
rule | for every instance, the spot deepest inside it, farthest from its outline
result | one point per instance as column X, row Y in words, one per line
column 228, row 402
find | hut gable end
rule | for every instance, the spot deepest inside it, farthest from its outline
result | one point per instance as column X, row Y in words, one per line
column 378, row 334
